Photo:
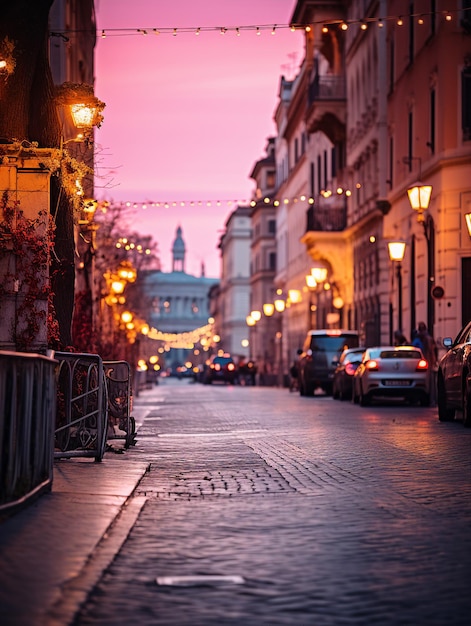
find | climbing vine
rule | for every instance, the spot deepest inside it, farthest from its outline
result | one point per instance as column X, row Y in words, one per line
column 25, row 249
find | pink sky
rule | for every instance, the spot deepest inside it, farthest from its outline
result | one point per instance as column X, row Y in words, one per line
column 187, row 116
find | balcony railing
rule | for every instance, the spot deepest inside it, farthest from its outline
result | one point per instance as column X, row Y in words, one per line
column 326, row 219
column 27, row 411
column 327, row 88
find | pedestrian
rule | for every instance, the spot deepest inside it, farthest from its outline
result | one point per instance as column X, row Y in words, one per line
column 430, row 353
column 416, row 341
column 294, row 374
column 400, row 339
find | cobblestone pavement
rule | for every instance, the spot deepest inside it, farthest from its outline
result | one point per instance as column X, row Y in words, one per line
column 319, row 512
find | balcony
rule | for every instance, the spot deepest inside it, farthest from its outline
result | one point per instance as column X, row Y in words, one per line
column 329, row 215
column 326, row 107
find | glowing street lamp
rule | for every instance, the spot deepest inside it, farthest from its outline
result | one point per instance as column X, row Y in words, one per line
column 256, row 315
column 419, row 198
column 396, row 254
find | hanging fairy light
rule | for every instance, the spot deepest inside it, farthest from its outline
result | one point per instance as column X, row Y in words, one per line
column 447, row 15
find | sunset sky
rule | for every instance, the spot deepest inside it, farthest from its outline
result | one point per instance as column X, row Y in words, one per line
column 187, row 116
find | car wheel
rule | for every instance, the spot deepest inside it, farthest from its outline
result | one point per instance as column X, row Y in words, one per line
column 335, row 393
column 364, row 399
column 467, row 405
column 355, row 397
column 444, row 413
column 309, row 389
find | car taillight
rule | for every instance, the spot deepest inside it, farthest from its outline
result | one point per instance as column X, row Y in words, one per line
column 231, row 367
column 217, row 367
column 350, row 369
column 372, row 365
column 422, row 365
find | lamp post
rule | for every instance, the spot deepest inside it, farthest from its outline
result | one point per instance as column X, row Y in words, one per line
column 419, row 195
column 396, row 254
column 280, row 305
column 316, row 283
column 311, row 285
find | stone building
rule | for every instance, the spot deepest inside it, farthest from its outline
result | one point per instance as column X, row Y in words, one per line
column 179, row 301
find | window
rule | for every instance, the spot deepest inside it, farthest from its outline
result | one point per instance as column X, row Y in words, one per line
column 466, row 103
column 272, row 261
column 325, row 169
column 319, row 173
column 392, row 67
column 312, row 179
column 431, row 143
column 410, row 139
column 272, row 227
column 271, row 179
column 391, row 161
column 333, row 164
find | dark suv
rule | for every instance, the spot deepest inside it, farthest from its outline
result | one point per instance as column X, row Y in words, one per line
column 320, row 356
column 220, row 368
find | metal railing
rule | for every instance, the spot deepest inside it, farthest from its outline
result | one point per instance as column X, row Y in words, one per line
column 326, row 219
column 82, row 408
column 327, row 88
column 27, row 409
column 121, row 424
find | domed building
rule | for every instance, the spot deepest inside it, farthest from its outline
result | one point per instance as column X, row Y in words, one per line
column 180, row 301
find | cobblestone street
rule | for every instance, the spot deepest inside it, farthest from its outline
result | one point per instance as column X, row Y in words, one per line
column 311, row 511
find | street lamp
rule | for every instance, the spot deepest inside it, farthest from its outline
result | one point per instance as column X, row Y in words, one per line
column 396, row 254
column 419, row 198
column 419, row 195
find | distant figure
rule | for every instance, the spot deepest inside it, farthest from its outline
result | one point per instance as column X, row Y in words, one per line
column 429, row 346
column 294, row 375
column 399, row 339
column 430, row 353
column 416, row 341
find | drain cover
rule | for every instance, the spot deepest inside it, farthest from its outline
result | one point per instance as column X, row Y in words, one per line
column 194, row 581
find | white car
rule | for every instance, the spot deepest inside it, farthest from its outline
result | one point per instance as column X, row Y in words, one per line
column 392, row 371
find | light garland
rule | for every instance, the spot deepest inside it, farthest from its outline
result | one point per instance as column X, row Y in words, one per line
column 325, row 193
column 272, row 29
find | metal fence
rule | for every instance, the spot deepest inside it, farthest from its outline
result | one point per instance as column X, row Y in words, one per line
column 27, row 409
column 82, row 409
column 121, row 424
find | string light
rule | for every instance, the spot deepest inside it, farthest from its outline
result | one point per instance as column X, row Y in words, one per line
column 343, row 24
column 267, row 200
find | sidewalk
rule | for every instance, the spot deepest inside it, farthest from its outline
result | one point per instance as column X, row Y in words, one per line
column 53, row 552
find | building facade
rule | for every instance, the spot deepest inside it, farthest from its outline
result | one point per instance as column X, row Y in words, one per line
column 234, row 294
column 179, row 302
column 377, row 106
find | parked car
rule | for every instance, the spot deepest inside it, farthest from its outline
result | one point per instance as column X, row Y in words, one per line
column 320, row 356
column 454, row 378
column 342, row 384
column 220, row 368
column 392, row 371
